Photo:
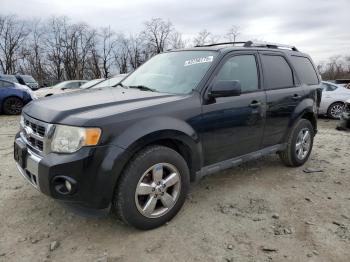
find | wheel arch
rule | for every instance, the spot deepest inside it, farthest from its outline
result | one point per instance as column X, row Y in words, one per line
column 168, row 131
column 181, row 142
column 303, row 111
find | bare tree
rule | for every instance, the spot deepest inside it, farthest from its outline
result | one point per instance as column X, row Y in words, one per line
column 157, row 33
column 233, row 33
column 13, row 33
column 34, row 53
column 108, row 44
column 121, row 54
column 54, row 47
column 137, row 51
column 202, row 38
column 336, row 67
column 176, row 41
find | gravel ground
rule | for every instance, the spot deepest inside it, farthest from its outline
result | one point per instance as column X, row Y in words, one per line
column 260, row 211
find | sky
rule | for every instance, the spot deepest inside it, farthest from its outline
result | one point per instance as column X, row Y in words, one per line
column 317, row 27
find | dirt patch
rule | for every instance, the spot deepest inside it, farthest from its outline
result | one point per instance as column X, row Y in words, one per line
column 259, row 211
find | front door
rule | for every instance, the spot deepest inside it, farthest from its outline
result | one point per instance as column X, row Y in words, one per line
column 233, row 126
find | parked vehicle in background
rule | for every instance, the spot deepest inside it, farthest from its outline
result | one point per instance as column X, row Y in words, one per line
column 181, row 115
column 13, row 97
column 28, row 81
column 342, row 81
column 344, row 122
column 111, row 81
column 333, row 99
column 92, row 83
column 10, row 78
column 60, row 88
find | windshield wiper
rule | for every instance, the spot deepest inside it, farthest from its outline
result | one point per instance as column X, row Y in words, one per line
column 120, row 84
column 143, row 88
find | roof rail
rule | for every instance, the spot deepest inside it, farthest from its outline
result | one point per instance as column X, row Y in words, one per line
column 224, row 43
column 254, row 44
column 269, row 45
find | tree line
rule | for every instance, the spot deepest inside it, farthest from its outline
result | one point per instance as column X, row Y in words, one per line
column 57, row 49
column 337, row 67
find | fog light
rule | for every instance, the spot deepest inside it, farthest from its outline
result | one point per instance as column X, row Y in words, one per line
column 68, row 185
column 64, row 185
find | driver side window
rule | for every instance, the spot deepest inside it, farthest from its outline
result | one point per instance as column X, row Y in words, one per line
column 241, row 68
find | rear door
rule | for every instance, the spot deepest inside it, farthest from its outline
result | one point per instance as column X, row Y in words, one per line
column 233, row 126
column 283, row 94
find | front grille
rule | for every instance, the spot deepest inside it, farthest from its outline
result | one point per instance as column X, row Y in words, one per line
column 34, row 132
column 40, row 130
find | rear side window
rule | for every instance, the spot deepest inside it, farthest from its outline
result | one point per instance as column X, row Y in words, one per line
column 305, row 70
column 277, row 72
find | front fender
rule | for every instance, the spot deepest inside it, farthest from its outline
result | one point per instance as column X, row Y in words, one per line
column 151, row 130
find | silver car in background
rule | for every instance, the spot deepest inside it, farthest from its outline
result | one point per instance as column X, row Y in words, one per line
column 60, row 88
column 333, row 99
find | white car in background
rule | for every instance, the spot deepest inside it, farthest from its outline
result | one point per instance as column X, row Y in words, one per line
column 111, row 81
column 92, row 83
column 333, row 99
column 63, row 87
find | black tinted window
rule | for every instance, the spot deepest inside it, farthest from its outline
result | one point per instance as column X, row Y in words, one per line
column 305, row 70
column 241, row 68
column 277, row 72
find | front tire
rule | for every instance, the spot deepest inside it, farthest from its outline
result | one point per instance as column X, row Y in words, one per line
column 299, row 144
column 13, row 106
column 152, row 188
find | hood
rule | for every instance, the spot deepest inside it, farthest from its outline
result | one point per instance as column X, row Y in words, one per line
column 79, row 107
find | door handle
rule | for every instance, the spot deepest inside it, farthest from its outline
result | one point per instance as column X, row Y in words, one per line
column 255, row 104
column 296, row 97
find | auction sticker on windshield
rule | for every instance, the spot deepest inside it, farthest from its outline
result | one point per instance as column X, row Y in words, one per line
column 199, row 60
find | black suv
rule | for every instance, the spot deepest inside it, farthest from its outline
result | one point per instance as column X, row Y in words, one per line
column 135, row 147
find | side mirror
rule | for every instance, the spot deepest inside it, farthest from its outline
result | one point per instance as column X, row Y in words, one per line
column 225, row 88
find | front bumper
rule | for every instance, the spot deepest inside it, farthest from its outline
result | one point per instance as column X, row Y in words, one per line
column 93, row 169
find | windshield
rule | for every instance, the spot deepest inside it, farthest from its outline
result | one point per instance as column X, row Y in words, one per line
column 61, row 85
column 91, row 83
column 28, row 79
column 10, row 78
column 173, row 72
column 111, row 81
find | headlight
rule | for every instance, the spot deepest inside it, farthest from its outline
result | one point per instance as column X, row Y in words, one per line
column 21, row 122
column 69, row 139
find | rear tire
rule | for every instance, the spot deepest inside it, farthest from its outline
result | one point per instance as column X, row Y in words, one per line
column 152, row 188
column 13, row 106
column 335, row 110
column 299, row 144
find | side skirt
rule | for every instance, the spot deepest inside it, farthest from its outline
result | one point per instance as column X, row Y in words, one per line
column 207, row 170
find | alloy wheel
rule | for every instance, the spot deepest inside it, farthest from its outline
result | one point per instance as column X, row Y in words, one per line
column 14, row 106
column 303, row 143
column 158, row 190
column 337, row 110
